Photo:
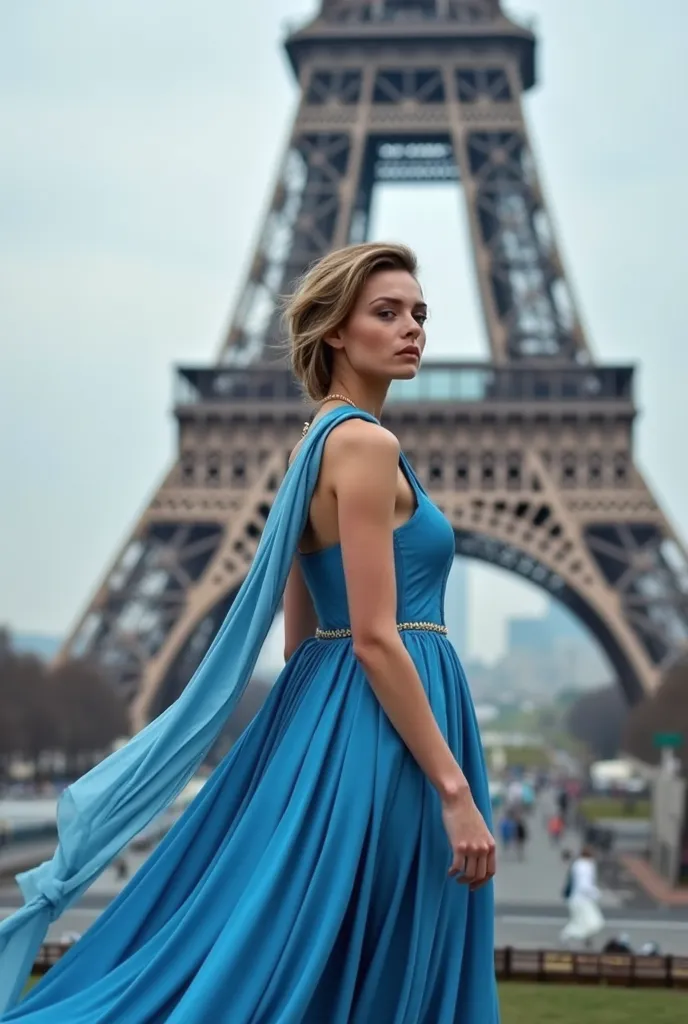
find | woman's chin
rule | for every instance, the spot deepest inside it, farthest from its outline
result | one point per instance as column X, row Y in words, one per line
column 407, row 371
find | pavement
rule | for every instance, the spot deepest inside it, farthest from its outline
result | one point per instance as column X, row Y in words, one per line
column 530, row 911
column 538, row 880
column 653, row 884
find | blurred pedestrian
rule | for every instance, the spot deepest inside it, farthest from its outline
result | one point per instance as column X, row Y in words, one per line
column 507, row 831
column 555, row 828
column 521, row 837
column 527, row 795
column 514, row 795
column 563, row 803
column 583, row 897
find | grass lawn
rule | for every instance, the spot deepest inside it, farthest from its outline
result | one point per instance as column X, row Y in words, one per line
column 580, row 1004
column 527, row 757
column 596, row 807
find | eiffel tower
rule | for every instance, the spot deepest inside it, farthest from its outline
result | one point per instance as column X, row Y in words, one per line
column 529, row 454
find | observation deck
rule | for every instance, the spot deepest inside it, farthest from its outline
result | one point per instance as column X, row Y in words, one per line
column 455, row 389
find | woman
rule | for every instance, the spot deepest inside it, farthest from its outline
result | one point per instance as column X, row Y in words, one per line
column 583, row 896
column 337, row 865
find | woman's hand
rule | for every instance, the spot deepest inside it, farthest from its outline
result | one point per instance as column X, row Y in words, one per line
column 472, row 843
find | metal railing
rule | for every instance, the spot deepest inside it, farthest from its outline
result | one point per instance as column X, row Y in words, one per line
column 436, row 382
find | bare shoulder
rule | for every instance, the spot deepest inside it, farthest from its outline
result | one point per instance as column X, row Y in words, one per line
column 362, row 440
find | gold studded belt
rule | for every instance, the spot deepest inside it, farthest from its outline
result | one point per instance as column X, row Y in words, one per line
column 342, row 634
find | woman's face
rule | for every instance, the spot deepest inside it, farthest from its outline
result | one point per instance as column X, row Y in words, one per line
column 384, row 337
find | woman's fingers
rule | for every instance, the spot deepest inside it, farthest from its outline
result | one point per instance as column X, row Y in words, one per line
column 474, row 865
column 471, row 867
column 458, row 864
column 482, row 875
column 481, row 870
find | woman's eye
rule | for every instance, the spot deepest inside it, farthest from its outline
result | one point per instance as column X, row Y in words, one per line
column 389, row 314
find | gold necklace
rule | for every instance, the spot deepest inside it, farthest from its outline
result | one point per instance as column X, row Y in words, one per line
column 329, row 398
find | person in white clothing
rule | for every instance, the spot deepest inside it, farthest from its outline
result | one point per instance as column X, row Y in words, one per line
column 583, row 896
column 514, row 795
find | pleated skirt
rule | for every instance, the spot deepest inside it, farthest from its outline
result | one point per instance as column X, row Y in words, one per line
column 307, row 882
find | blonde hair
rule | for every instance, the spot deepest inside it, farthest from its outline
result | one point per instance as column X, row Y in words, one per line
column 324, row 300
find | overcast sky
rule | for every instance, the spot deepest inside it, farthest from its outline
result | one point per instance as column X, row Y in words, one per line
column 138, row 144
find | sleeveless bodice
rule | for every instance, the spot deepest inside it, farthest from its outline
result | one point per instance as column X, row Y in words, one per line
column 424, row 549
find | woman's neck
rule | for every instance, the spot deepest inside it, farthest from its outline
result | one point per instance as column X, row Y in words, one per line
column 365, row 396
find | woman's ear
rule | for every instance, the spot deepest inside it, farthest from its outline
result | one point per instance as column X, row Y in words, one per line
column 335, row 340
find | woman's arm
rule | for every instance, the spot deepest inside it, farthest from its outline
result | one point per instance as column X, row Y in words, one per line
column 300, row 620
column 364, row 466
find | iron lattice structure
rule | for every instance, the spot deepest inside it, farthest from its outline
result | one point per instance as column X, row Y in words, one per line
column 530, row 455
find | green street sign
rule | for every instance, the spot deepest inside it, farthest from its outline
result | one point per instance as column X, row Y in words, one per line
column 668, row 739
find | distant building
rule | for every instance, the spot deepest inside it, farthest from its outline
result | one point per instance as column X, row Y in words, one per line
column 563, row 649
column 543, row 635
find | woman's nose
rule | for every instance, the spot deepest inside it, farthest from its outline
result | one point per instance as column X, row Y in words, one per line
column 412, row 328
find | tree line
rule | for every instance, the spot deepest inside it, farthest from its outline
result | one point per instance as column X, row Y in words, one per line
column 57, row 720
column 603, row 720
column 70, row 715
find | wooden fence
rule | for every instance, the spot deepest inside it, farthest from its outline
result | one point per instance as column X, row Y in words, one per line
column 560, row 967
column 545, row 966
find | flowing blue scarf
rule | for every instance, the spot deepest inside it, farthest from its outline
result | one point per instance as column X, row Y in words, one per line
column 102, row 812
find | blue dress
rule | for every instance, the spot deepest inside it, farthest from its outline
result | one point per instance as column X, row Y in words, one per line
column 307, row 882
